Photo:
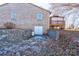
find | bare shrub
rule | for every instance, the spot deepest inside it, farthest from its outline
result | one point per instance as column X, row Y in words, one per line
column 9, row 25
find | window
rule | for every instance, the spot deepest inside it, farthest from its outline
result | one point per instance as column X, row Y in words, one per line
column 13, row 15
column 39, row 16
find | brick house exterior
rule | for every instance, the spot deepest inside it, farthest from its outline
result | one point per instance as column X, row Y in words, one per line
column 24, row 15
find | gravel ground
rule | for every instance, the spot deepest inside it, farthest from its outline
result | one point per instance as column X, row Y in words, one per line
column 21, row 43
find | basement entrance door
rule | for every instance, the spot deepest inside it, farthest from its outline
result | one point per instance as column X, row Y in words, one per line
column 38, row 30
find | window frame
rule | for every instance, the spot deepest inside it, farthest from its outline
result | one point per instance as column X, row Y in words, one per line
column 39, row 16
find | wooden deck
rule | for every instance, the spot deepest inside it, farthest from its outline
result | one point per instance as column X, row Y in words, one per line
column 71, row 30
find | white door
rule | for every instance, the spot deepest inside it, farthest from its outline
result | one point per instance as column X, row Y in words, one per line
column 38, row 30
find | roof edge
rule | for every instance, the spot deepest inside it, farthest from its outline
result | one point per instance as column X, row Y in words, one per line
column 40, row 7
column 29, row 3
